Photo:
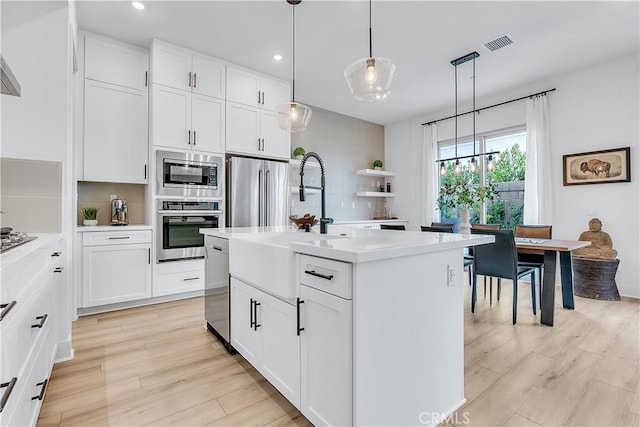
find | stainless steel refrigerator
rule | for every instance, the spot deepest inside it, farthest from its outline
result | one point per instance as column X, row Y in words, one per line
column 257, row 192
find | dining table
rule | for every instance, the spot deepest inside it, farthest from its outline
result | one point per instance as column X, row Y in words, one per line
column 551, row 248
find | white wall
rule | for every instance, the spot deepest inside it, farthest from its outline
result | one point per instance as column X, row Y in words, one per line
column 345, row 144
column 592, row 109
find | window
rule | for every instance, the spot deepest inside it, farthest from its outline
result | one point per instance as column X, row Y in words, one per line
column 507, row 175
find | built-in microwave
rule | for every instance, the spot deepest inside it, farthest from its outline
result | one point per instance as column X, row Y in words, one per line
column 188, row 174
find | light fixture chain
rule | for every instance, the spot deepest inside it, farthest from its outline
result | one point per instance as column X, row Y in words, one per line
column 370, row 35
column 293, row 56
column 456, row 107
column 474, row 106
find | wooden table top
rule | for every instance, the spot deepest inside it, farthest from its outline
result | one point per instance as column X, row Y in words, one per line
column 550, row 244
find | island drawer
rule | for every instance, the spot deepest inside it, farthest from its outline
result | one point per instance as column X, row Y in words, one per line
column 116, row 237
column 333, row 277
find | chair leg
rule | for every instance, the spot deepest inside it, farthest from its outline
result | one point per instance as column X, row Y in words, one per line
column 533, row 291
column 470, row 272
column 490, row 291
column 515, row 299
column 485, row 287
column 473, row 292
column 539, row 282
column 499, row 288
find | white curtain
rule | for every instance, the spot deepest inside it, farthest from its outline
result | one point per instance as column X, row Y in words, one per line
column 429, row 177
column 537, row 187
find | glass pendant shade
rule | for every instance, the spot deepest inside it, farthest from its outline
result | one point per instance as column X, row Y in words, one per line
column 443, row 170
column 490, row 164
column 293, row 116
column 369, row 79
column 473, row 166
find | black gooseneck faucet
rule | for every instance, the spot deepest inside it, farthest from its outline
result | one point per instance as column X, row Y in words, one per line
column 323, row 220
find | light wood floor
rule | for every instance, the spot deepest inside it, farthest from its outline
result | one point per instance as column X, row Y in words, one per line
column 157, row 365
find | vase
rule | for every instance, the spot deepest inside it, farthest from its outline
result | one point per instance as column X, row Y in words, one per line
column 465, row 227
column 299, row 157
column 90, row 222
column 378, row 168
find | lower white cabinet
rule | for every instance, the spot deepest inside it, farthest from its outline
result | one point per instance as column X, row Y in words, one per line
column 178, row 277
column 114, row 270
column 326, row 358
column 264, row 330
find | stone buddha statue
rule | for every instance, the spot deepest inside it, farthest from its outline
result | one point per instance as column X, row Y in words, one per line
column 601, row 245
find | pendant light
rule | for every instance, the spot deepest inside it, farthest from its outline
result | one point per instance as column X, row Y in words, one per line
column 456, row 169
column 474, row 166
column 369, row 79
column 293, row 116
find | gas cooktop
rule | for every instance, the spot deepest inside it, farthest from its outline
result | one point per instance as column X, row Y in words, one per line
column 13, row 239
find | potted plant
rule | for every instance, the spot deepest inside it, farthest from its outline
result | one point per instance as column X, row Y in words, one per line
column 377, row 165
column 90, row 215
column 463, row 196
column 298, row 153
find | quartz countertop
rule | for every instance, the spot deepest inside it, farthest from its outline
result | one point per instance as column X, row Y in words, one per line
column 14, row 254
column 109, row 227
column 360, row 245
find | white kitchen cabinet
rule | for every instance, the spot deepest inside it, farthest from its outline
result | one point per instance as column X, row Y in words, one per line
column 254, row 131
column 115, row 133
column 264, row 331
column 116, row 107
column 113, row 62
column 28, row 324
column 178, row 277
column 251, row 88
column 183, row 69
column 187, row 101
column 326, row 376
column 115, row 270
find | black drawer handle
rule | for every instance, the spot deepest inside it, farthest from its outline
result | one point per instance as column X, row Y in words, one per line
column 43, row 390
column 298, row 328
column 56, row 254
column 7, row 394
column 190, row 278
column 256, row 325
column 251, row 321
column 119, row 238
column 322, row 276
column 41, row 319
column 217, row 248
column 58, row 270
column 6, row 308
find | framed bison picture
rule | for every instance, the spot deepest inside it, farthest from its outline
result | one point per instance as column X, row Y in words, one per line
column 597, row 167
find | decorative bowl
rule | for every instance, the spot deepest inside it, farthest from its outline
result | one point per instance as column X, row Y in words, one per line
column 306, row 219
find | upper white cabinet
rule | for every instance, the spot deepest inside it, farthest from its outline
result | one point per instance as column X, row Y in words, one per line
column 182, row 69
column 250, row 88
column 252, row 125
column 187, row 99
column 115, row 112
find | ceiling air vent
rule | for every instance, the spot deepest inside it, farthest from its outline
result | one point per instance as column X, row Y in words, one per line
column 498, row 43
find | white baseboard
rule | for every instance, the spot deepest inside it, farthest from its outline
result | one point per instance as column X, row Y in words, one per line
column 137, row 303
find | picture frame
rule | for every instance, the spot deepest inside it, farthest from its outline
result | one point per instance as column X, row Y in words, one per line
column 597, row 167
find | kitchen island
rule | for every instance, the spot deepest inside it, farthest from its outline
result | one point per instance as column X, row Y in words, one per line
column 369, row 329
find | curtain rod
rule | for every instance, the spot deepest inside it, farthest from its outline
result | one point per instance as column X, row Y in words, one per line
column 490, row 106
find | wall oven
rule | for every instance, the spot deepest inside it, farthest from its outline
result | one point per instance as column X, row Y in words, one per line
column 188, row 174
column 178, row 225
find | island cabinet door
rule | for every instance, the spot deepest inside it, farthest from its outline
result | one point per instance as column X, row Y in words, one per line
column 326, row 358
column 245, row 331
column 280, row 362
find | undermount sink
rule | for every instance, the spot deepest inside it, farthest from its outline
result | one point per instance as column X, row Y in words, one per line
column 267, row 261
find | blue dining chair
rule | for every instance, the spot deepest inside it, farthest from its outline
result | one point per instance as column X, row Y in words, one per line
column 500, row 259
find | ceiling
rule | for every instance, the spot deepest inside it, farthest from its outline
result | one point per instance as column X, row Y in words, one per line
column 420, row 37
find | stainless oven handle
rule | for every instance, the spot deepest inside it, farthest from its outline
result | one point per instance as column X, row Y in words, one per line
column 260, row 199
column 183, row 213
column 266, row 198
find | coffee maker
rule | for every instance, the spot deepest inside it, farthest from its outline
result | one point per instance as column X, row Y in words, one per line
column 119, row 212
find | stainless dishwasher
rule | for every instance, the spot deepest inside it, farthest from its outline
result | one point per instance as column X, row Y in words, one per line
column 216, row 288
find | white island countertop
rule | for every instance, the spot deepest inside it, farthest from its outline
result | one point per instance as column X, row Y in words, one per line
column 359, row 245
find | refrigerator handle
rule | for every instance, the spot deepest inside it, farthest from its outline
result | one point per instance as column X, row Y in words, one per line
column 267, row 218
column 260, row 199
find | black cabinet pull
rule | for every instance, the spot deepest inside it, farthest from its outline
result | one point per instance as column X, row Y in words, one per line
column 119, row 238
column 7, row 394
column 189, row 78
column 56, row 254
column 43, row 390
column 217, row 248
column 189, row 136
column 6, row 308
column 251, row 321
column 195, row 79
column 258, row 97
column 298, row 328
column 149, row 255
column 194, row 136
column 262, row 98
column 58, row 270
column 190, row 278
column 145, row 171
column 146, row 78
column 322, row 276
column 42, row 320
column 256, row 325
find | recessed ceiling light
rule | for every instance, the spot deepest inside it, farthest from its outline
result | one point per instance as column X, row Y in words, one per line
column 277, row 57
column 137, row 5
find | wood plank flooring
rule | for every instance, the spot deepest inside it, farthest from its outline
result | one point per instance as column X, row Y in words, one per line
column 157, row 365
